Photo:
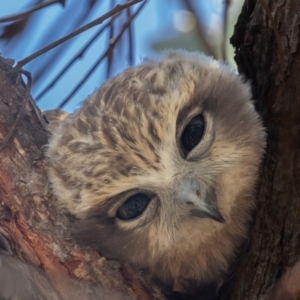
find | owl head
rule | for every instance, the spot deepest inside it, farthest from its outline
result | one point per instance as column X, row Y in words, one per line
column 159, row 166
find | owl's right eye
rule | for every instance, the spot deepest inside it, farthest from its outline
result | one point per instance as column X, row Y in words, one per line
column 192, row 133
column 133, row 207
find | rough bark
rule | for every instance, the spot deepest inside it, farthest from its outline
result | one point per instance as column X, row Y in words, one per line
column 267, row 52
column 34, row 230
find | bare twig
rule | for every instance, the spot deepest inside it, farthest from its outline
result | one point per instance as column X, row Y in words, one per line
column 111, row 54
column 77, row 56
column 111, row 46
column 4, row 143
column 130, row 39
column 36, row 7
column 98, row 21
column 201, row 31
column 225, row 19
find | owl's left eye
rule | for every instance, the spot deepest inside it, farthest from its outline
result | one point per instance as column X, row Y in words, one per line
column 192, row 133
column 133, row 207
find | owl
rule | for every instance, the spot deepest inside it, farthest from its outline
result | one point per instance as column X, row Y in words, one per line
column 159, row 167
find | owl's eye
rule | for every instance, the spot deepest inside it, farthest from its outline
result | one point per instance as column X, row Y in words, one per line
column 133, row 207
column 193, row 133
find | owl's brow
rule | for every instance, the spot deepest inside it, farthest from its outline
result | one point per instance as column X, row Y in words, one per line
column 101, row 209
column 192, row 106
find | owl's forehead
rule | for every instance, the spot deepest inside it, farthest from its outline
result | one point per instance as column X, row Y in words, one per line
column 137, row 111
column 157, row 88
column 146, row 100
column 154, row 90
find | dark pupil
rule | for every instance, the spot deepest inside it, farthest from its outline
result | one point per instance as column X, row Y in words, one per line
column 192, row 133
column 133, row 207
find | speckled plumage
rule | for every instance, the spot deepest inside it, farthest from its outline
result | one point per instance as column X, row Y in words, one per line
column 126, row 138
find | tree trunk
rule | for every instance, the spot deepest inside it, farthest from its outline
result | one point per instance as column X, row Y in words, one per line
column 266, row 39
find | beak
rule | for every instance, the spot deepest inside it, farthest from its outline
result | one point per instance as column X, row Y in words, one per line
column 188, row 192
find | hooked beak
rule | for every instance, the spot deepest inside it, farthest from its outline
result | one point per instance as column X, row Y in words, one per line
column 188, row 192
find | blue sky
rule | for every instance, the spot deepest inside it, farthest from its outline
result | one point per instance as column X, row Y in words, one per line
column 154, row 24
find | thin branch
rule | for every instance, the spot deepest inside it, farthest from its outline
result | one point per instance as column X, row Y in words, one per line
column 111, row 46
column 130, row 39
column 225, row 19
column 77, row 56
column 23, row 14
column 111, row 54
column 98, row 21
column 201, row 31
column 4, row 143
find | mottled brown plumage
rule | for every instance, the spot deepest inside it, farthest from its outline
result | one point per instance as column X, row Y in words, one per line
column 133, row 136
